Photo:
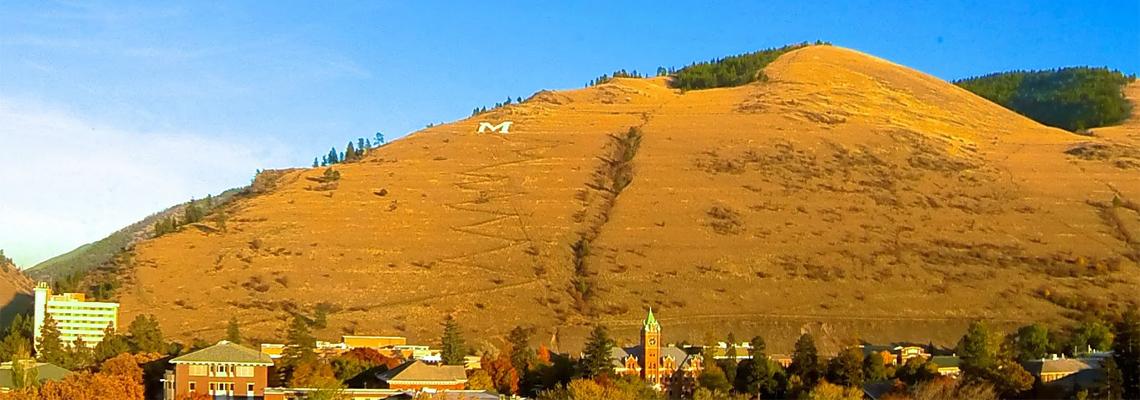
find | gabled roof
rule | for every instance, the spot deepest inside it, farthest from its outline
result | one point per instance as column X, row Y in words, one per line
column 44, row 372
column 418, row 371
column 946, row 361
column 225, row 352
column 1063, row 365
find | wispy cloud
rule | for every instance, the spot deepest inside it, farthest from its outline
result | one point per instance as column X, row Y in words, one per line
column 66, row 180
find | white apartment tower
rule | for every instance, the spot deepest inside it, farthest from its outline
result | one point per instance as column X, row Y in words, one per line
column 74, row 316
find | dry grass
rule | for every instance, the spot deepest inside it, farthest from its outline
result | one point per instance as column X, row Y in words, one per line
column 847, row 176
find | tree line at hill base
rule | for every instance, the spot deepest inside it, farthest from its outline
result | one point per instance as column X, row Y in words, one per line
column 130, row 364
column 1073, row 99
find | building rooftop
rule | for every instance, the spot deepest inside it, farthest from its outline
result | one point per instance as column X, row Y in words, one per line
column 1061, row 365
column 44, row 372
column 225, row 352
column 419, row 371
column 946, row 361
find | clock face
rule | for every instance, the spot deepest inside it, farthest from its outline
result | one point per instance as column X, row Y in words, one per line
column 652, row 341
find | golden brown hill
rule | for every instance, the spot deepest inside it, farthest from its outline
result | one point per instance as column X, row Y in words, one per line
column 15, row 293
column 846, row 193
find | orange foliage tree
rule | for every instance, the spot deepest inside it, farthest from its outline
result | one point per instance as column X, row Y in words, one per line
column 88, row 386
column 543, row 355
column 312, row 374
column 502, row 372
column 372, row 357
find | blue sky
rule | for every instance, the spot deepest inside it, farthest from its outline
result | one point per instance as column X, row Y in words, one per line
column 110, row 111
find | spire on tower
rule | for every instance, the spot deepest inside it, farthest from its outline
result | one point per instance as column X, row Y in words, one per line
column 651, row 321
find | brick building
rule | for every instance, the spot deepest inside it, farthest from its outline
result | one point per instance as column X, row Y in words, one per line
column 224, row 370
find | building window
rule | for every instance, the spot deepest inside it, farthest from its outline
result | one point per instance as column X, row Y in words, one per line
column 193, row 386
column 197, row 370
column 245, row 371
column 249, row 389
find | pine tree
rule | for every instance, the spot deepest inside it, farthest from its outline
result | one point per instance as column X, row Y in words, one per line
column 596, row 358
column 299, row 343
column 233, row 331
column 192, row 213
column 321, row 316
column 349, row 152
column 522, row 356
column 368, row 144
column 146, row 335
column 79, row 356
column 112, row 345
column 453, row 351
column 359, row 147
column 805, row 361
column 729, row 364
column 315, row 162
column 518, row 100
column 975, row 350
column 22, row 376
column 379, row 138
column 51, row 342
column 332, row 157
column 1126, row 353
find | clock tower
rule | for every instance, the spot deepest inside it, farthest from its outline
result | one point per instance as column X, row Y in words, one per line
column 651, row 349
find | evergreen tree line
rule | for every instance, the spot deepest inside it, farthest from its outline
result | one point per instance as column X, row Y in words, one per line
column 352, row 152
column 5, row 261
column 482, row 110
column 619, row 74
column 193, row 212
column 991, row 365
column 730, row 71
column 1068, row 98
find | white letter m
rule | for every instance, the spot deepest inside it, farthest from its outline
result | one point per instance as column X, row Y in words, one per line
column 503, row 127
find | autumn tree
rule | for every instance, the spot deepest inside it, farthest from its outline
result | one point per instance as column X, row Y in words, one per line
column 502, row 372
column 313, row 373
column 452, row 349
column 85, row 385
column 714, row 379
column 829, row 391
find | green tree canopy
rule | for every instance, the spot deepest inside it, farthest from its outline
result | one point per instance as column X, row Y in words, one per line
column 846, row 368
column 522, row 356
column 233, row 331
column 1126, row 352
column 596, row 358
column 1032, row 342
column 146, row 335
column 805, row 361
column 1067, row 98
column 453, row 349
column 51, row 342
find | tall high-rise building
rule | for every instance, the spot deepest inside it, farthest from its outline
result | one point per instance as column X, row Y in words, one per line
column 74, row 316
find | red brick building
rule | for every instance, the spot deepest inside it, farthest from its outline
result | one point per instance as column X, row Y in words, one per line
column 224, row 370
column 417, row 375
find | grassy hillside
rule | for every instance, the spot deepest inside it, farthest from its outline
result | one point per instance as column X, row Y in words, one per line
column 15, row 292
column 846, row 193
column 1068, row 98
column 73, row 265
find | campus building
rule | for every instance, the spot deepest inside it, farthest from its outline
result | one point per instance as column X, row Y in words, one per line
column 221, row 370
column 74, row 316
column 664, row 367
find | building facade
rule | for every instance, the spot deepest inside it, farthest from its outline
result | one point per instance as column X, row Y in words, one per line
column 664, row 367
column 224, row 370
column 74, row 316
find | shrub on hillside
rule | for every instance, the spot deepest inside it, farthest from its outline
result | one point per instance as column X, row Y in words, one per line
column 1069, row 98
